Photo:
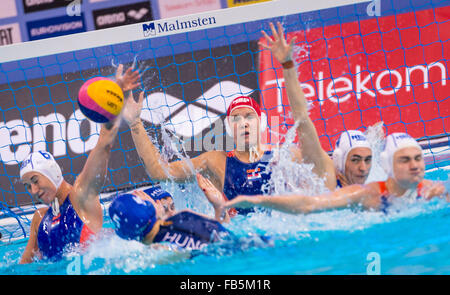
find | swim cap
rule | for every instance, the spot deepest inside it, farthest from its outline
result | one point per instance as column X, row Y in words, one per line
column 157, row 193
column 395, row 142
column 133, row 217
column 348, row 140
column 245, row 102
column 44, row 163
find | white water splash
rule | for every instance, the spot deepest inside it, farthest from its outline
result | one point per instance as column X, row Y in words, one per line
column 375, row 137
column 300, row 53
column 289, row 176
column 110, row 253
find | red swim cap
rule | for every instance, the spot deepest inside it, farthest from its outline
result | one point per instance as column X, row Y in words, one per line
column 244, row 102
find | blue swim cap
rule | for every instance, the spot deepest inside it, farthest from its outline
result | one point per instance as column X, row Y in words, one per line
column 157, row 193
column 133, row 217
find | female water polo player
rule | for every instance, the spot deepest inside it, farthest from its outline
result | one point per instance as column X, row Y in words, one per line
column 352, row 157
column 141, row 216
column 402, row 159
column 75, row 213
column 243, row 170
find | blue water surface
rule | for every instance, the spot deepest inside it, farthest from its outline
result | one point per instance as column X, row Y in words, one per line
column 413, row 238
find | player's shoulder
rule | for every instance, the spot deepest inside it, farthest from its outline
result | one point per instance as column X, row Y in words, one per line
column 214, row 155
column 210, row 160
column 39, row 215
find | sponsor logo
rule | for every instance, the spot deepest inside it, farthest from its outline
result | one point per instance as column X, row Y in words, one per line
column 233, row 3
column 151, row 29
column 122, row 15
column 242, row 99
column 65, row 131
column 10, row 34
column 191, row 119
column 371, row 84
column 114, row 94
column 54, row 27
column 110, row 19
column 185, row 120
column 37, row 5
column 138, row 15
column 175, row 8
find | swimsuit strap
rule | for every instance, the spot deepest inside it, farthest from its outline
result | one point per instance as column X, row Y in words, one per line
column 383, row 188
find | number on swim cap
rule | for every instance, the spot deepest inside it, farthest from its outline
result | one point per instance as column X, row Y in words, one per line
column 45, row 155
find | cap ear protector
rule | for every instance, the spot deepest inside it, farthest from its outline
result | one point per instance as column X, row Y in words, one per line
column 44, row 163
column 338, row 155
column 395, row 142
column 262, row 124
column 348, row 141
column 385, row 163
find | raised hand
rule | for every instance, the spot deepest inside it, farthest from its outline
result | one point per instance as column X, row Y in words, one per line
column 213, row 195
column 131, row 111
column 280, row 48
column 128, row 81
column 436, row 189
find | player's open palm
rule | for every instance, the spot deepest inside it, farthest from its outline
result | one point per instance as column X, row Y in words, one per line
column 281, row 50
column 131, row 111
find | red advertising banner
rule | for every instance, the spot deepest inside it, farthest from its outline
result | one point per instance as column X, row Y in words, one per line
column 391, row 69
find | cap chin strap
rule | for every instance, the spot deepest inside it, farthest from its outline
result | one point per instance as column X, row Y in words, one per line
column 55, row 207
column 254, row 155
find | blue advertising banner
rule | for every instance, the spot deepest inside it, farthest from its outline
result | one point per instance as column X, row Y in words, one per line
column 56, row 26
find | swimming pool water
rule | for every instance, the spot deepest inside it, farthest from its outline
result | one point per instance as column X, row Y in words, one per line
column 413, row 238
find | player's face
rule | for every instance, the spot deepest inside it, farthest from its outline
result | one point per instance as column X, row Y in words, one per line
column 245, row 125
column 409, row 166
column 39, row 187
column 358, row 164
column 168, row 205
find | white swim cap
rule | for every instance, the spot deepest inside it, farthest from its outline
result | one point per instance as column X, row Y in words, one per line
column 44, row 163
column 348, row 140
column 395, row 142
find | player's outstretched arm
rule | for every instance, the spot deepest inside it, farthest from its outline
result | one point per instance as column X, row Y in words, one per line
column 311, row 149
column 297, row 204
column 91, row 179
column 156, row 167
